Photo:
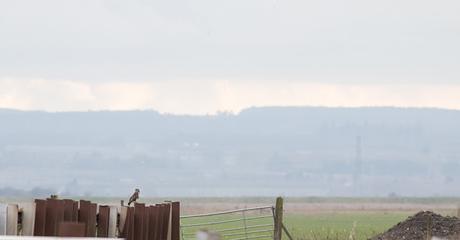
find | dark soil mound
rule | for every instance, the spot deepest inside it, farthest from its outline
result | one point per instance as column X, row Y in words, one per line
column 415, row 228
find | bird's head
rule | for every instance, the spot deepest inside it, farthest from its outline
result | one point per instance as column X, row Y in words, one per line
column 137, row 190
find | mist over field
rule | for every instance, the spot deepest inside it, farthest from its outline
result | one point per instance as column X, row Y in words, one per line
column 263, row 151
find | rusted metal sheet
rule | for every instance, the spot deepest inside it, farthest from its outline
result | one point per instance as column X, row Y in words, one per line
column 83, row 214
column 71, row 229
column 87, row 215
column 123, row 225
column 169, row 222
column 103, row 221
column 54, row 215
column 162, row 221
column 139, row 210
column 159, row 223
column 12, row 220
column 175, row 221
column 128, row 227
column 40, row 217
column 75, row 211
column 165, row 215
column 70, row 212
column 92, row 220
column 153, row 220
column 51, row 218
column 146, row 223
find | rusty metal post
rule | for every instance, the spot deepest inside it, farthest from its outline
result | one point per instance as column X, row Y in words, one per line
column 153, row 222
column 87, row 215
column 160, row 222
column 128, row 229
column 40, row 217
column 92, row 220
column 146, row 222
column 139, row 209
column 69, row 210
column 166, row 213
column 103, row 221
column 83, row 214
column 75, row 211
column 54, row 215
column 175, row 221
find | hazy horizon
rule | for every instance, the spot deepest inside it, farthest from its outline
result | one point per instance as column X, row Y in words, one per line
column 224, row 112
column 292, row 151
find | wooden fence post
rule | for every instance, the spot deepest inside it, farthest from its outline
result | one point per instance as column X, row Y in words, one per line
column 278, row 219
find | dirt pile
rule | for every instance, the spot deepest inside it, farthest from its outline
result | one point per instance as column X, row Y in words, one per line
column 415, row 228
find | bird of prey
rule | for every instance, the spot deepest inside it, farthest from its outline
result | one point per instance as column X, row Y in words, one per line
column 134, row 197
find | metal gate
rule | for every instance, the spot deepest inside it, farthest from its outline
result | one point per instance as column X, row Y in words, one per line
column 240, row 224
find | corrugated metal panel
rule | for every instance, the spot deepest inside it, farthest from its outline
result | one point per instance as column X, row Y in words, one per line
column 83, row 214
column 175, row 221
column 129, row 225
column 54, row 215
column 70, row 212
column 146, row 223
column 160, row 222
column 103, row 221
column 153, row 220
column 92, row 220
column 40, row 217
column 71, row 229
column 165, row 215
column 139, row 210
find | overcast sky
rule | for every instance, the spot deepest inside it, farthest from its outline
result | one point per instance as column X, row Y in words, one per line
column 203, row 56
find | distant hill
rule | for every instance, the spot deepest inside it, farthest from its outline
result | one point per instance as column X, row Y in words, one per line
column 313, row 150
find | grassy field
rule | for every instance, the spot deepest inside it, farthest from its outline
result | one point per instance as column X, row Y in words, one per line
column 331, row 218
column 359, row 225
column 331, row 226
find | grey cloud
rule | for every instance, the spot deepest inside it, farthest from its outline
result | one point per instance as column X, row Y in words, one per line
column 308, row 40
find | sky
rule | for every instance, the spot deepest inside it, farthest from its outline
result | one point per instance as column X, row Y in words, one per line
column 205, row 56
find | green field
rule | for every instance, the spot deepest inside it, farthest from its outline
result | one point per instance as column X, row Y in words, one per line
column 331, row 226
column 361, row 225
